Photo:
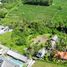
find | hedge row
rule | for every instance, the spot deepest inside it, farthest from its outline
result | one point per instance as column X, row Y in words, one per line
column 39, row 2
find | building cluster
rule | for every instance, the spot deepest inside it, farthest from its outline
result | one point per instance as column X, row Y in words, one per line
column 10, row 58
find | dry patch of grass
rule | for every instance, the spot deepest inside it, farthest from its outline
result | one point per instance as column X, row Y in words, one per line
column 41, row 38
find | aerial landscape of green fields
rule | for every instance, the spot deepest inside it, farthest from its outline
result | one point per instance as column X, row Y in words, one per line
column 36, row 29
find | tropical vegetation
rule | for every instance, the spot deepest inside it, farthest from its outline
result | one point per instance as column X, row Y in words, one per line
column 31, row 18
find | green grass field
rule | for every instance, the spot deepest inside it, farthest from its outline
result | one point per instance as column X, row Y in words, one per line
column 46, row 64
column 36, row 13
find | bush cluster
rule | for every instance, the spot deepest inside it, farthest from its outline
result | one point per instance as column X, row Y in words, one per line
column 39, row 2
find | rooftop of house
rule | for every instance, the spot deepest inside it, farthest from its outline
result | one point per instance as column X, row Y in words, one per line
column 61, row 55
column 13, row 57
column 17, row 56
column 4, row 29
column 6, row 63
column 7, row 51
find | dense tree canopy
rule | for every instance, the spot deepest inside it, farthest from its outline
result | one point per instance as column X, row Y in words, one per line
column 9, row 1
column 39, row 2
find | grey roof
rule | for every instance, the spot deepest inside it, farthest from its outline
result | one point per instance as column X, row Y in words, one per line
column 1, row 61
column 4, row 29
column 8, row 64
column 17, row 56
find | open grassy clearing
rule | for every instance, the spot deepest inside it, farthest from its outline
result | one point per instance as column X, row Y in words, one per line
column 56, row 12
column 33, row 13
column 46, row 64
column 39, row 13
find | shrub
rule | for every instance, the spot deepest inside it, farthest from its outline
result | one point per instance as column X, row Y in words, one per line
column 39, row 2
column 8, row 1
column 3, row 12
